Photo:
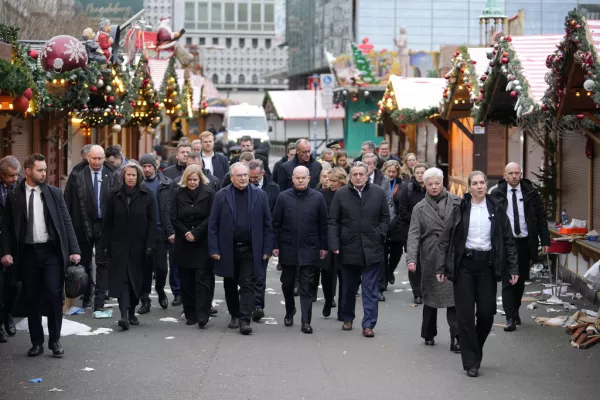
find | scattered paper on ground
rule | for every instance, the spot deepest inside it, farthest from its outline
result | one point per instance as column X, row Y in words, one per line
column 99, row 331
column 68, row 327
column 102, row 314
column 556, row 321
column 88, row 369
column 56, row 390
column 170, row 337
column 168, row 319
column 75, row 311
column 405, row 282
column 36, row 380
column 501, row 312
column 282, row 302
column 111, row 305
column 527, row 299
column 216, row 302
column 398, row 290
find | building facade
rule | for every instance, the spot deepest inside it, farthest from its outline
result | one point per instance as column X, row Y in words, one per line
column 237, row 44
column 156, row 9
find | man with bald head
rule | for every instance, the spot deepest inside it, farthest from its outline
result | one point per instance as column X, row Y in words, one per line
column 300, row 241
column 240, row 240
column 86, row 192
column 527, row 215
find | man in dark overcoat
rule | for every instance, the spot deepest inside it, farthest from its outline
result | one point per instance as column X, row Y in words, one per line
column 240, row 239
column 303, row 157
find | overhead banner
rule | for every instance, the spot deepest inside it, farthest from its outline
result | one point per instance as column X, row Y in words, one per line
column 116, row 11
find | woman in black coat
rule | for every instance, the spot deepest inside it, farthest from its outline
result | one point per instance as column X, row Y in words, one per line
column 329, row 265
column 404, row 201
column 190, row 210
column 129, row 237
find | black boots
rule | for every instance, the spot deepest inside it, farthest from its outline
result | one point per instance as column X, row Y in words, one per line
column 145, row 308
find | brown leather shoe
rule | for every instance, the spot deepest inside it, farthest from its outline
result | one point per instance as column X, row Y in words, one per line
column 347, row 326
column 368, row 332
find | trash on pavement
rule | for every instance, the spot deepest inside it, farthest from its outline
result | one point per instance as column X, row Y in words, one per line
column 56, row 390
column 111, row 305
column 168, row 319
column 583, row 336
column 75, row 311
column 398, row 290
column 553, row 310
column 556, row 321
column 534, row 293
column 528, row 299
column 36, row 380
column 270, row 322
column 578, row 296
column 569, row 306
column 532, row 306
column 591, row 313
column 88, row 369
column 170, row 337
column 102, row 314
column 68, row 327
column 99, row 331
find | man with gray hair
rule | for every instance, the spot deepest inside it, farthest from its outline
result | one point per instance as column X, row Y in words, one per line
column 303, row 157
column 9, row 286
column 375, row 175
column 368, row 147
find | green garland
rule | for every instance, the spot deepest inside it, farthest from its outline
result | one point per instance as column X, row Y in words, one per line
column 164, row 87
column 503, row 62
column 410, row 116
column 143, row 91
column 462, row 67
column 14, row 79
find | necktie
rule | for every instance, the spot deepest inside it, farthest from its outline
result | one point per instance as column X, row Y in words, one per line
column 29, row 238
column 516, row 212
column 97, row 193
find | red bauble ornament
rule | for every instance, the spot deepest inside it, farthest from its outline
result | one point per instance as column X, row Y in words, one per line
column 93, row 89
column 504, row 60
column 156, row 105
column 482, row 124
column 473, row 62
column 63, row 53
column 132, row 103
column 21, row 104
column 514, row 93
column 110, row 99
column 544, row 107
column 508, row 39
column 33, row 54
column 492, row 64
column 483, row 78
column 580, row 116
column 28, row 93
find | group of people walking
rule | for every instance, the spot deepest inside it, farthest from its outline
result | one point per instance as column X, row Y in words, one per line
column 344, row 225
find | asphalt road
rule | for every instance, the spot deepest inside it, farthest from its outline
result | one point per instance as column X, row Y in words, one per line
column 276, row 362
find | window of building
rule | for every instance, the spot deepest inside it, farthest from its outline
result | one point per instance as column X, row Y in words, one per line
column 215, row 16
column 242, row 43
column 229, row 16
column 202, row 41
column 188, row 41
column 243, row 16
column 215, row 79
column 269, row 17
column 203, row 15
column 254, row 79
column 215, row 41
column 268, row 43
column 228, row 43
column 254, row 43
column 228, row 79
column 189, row 15
column 241, row 79
column 255, row 17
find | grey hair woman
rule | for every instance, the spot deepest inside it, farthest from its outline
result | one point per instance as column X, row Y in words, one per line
column 431, row 217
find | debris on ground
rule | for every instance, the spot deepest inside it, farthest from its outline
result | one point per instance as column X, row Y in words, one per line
column 170, row 337
column 102, row 314
column 36, row 380
column 99, row 331
column 88, row 369
column 75, row 311
column 168, row 319
column 580, row 327
column 56, row 390
column 532, row 306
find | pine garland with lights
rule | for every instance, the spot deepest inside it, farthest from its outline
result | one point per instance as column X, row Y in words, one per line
column 187, row 107
column 146, row 108
column 169, row 91
column 503, row 62
column 367, row 117
column 463, row 67
column 410, row 116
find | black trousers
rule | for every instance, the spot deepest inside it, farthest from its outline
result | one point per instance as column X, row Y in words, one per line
column 307, row 288
column 512, row 294
column 197, row 287
column 241, row 303
column 43, row 285
column 10, row 289
column 392, row 253
column 475, row 301
column 329, row 278
column 429, row 326
column 157, row 264
column 260, row 285
column 415, row 281
column 127, row 299
column 88, row 249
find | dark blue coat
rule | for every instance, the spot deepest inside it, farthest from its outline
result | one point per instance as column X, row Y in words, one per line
column 220, row 165
column 300, row 226
column 272, row 190
column 222, row 223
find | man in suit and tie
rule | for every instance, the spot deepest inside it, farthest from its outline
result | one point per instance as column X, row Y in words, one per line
column 86, row 192
column 10, row 287
column 43, row 246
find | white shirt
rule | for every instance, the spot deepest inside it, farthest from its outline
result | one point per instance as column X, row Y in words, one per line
column 208, row 162
column 40, row 233
column 520, row 207
column 359, row 191
column 261, row 182
column 372, row 177
column 480, row 228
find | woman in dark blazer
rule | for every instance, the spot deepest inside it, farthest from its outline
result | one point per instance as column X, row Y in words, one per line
column 129, row 237
column 190, row 210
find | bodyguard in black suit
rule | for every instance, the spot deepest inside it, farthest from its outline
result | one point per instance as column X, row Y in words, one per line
column 44, row 245
column 216, row 163
column 476, row 252
column 87, row 190
column 527, row 214
column 10, row 287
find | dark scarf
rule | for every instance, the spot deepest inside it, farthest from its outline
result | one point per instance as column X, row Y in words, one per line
column 438, row 202
column 130, row 193
column 193, row 194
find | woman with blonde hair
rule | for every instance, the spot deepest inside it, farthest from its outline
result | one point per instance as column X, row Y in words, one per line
column 410, row 162
column 190, row 211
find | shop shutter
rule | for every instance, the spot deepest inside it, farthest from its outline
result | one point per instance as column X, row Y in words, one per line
column 534, row 159
column 596, row 193
column 421, row 142
column 462, row 153
column 22, row 136
column 496, row 150
column 574, row 177
column 515, row 146
column 431, row 152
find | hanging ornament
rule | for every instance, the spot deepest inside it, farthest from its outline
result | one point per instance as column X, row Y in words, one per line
column 20, row 104
column 482, row 124
column 33, row 54
column 544, row 107
column 589, row 85
column 518, row 88
column 100, row 83
column 63, row 53
column 93, row 89
column 110, row 99
column 580, row 116
column 28, row 93
column 514, row 93
column 108, row 89
column 156, row 105
column 504, row 60
column 150, row 130
column 157, row 120
column 116, row 128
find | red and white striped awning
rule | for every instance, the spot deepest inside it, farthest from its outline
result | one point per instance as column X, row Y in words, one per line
column 532, row 52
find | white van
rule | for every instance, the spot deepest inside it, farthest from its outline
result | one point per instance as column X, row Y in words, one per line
column 246, row 120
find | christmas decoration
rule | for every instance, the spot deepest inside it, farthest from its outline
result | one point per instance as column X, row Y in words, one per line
column 169, row 89
column 145, row 107
column 63, row 53
column 461, row 77
column 28, row 93
column 33, row 54
column 362, row 63
column 20, row 104
column 116, row 128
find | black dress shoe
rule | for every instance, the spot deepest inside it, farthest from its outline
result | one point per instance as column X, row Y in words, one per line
column 510, row 325
column 9, row 326
column 289, row 319
column 234, row 323
column 133, row 320
column 177, row 301
column 213, row 311
column 333, row 304
column 392, row 280
column 145, row 308
column 418, row 300
column 257, row 315
column 3, row 337
column 57, row 349
column 381, row 297
column 517, row 319
column 163, row 300
column 473, row 373
column 123, row 324
column 35, row 350
column 454, row 345
column 327, row 310
column 192, row 321
column 245, row 328
column 87, row 303
column 306, row 328
column 429, row 342
column 202, row 324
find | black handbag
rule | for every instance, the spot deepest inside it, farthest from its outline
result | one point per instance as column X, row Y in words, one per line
column 76, row 281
